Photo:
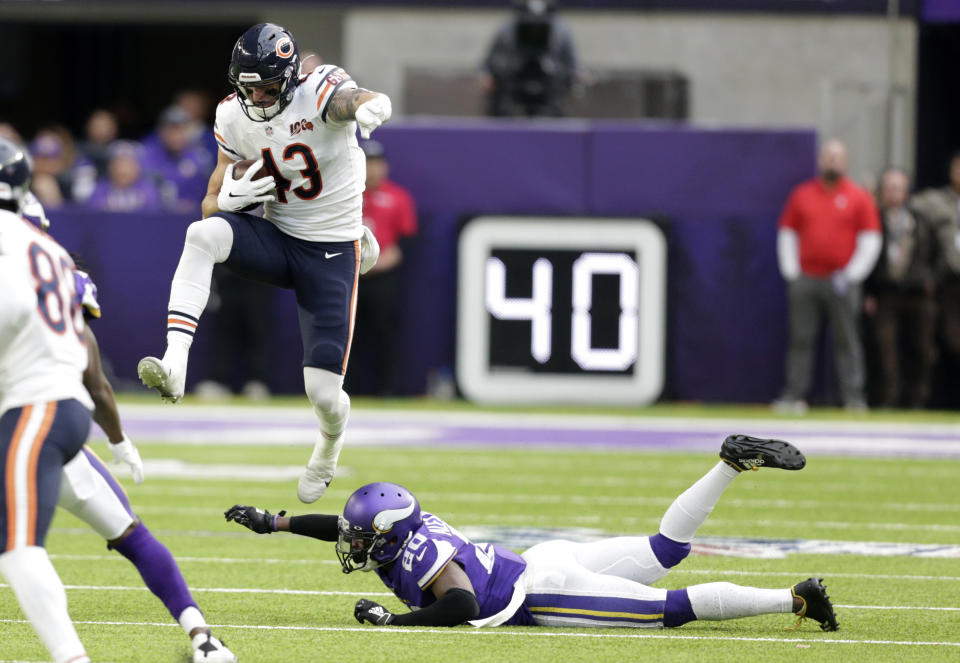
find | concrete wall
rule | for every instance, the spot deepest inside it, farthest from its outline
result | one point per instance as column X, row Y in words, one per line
column 831, row 73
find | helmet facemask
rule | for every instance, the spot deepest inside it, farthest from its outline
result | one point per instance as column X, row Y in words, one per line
column 281, row 101
column 355, row 547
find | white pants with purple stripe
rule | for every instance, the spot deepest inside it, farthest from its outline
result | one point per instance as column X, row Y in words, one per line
column 601, row 583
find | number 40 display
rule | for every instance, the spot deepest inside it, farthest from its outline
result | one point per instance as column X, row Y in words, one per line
column 538, row 308
column 624, row 370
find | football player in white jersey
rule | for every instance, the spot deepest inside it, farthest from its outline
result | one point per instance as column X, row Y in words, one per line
column 90, row 492
column 44, row 408
column 302, row 130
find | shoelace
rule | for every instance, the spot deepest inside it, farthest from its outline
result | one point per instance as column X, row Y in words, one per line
column 800, row 615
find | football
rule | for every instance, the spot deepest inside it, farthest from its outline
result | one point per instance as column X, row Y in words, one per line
column 239, row 170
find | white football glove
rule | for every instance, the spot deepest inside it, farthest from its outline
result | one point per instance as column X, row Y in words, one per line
column 369, row 250
column 371, row 114
column 125, row 452
column 237, row 194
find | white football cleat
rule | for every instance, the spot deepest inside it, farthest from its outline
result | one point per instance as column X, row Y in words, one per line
column 369, row 250
column 320, row 470
column 155, row 374
column 207, row 649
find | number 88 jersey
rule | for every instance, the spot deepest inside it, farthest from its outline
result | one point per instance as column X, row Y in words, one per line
column 43, row 352
column 493, row 570
column 318, row 165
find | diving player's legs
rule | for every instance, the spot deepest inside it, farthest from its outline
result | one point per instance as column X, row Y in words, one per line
column 561, row 591
column 631, row 563
column 35, row 441
column 207, row 242
column 647, row 559
column 90, row 492
column 327, row 298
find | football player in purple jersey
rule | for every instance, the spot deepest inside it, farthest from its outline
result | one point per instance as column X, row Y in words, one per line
column 556, row 583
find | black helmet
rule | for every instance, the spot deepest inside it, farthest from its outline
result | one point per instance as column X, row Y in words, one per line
column 265, row 53
column 16, row 171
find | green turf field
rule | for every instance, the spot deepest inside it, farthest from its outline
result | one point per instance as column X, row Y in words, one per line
column 283, row 598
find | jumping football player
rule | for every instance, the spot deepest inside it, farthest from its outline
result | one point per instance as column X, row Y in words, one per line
column 557, row 583
column 44, row 408
column 302, row 130
column 90, row 492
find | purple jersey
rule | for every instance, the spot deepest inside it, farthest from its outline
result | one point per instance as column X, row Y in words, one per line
column 492, row 570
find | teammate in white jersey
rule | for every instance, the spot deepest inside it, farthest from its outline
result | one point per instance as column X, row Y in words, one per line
column 302, row 129
column 90, row 492
column 44, row 408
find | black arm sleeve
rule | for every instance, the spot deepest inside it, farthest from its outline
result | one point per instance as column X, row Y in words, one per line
column 316, row 526
column 452, row 609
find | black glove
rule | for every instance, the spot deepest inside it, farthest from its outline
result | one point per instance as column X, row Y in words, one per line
column 374, row 613
column 260, row 521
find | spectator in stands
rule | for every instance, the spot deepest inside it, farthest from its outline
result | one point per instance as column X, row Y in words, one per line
column 53, row 156
column 10, row 132
column 941, row 207
column 389, row 211
column 92, row 162
column 198, row 105
column 125, row 189
column 898, row 297
column 531, row 64
column 178, row 166
column 828, row 242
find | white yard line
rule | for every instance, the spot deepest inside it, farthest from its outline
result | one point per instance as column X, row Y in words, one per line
column 319, row 592
column 706, row 572
column 201, row 560
column 304, row 415
column 530, row 633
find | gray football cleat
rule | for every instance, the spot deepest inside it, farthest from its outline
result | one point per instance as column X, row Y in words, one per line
column 157, row 375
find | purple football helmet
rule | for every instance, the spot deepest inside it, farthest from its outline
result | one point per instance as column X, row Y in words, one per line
column 377, row 521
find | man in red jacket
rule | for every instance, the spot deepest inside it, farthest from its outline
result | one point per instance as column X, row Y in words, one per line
column 389, row 211
column 828, row 241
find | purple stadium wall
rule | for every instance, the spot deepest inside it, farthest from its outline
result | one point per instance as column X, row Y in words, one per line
column 720, row 193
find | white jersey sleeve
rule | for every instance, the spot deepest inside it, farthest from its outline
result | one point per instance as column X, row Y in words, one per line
column 43, row 352
column 326, row 81
column 223, row 130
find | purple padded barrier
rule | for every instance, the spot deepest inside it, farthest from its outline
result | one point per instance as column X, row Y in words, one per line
column 720, row 191
column 723, row 191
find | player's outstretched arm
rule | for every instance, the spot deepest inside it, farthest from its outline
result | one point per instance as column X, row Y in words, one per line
column 456, row 604
column 369, row 109
column 261, row 521
column 105, row 411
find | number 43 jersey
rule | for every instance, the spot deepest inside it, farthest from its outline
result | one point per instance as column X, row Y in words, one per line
column 42, row 349
column 493, row 570
column 319, row 167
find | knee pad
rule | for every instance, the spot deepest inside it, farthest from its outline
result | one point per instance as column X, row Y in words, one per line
column 324, row 390
column 88, row 496
column 213, row 236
